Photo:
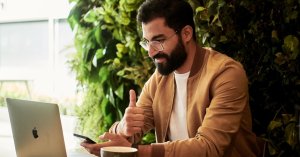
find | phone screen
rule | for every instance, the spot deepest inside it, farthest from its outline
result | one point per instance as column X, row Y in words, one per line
column 87, row 139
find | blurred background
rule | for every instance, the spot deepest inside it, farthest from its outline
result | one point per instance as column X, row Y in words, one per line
column 35, row 43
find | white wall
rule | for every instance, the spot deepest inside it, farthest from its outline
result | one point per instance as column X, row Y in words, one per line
column 14, row 10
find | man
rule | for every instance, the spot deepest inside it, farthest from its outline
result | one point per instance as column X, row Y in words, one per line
column 196, row 100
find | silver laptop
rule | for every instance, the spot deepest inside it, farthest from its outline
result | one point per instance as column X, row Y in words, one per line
column 36, row 128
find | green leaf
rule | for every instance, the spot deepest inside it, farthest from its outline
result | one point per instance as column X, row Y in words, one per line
column 121, row 72
column 216, row 17
column 129, row 5
column 123, row 19
column 105, row 107
column 90, row 16
column 223, row 39
column 99, row 36
column 120, row 47
column 221, row 3
column 291, row 136
column 212, row 7
column 74, row 17
column 149, row 138
column 286, row 118
column 291, row 43
column 274, row 124
column 111, row 97
column 103, row 74
column 100, row 11
column 131, row 1
column 272, row 149
column 210, row 3
column 116, row 63
column 99, row 53
column 119, row 55
column 108, row 19
column 120, row 91
column 200, row 9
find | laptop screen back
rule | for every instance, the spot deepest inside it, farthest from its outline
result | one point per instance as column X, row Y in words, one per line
column 36, row 128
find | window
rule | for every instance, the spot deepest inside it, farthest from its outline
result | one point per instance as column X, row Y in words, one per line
column 24, row 45
column 35, row 53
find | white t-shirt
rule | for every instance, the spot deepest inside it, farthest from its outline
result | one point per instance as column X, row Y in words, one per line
column 178, row 125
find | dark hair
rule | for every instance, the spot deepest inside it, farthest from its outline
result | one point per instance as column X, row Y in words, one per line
column 177, row 13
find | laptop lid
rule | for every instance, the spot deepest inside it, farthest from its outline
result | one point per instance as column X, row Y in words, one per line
column 36, row 128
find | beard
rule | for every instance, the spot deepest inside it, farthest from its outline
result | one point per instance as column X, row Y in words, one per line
column 173, row 61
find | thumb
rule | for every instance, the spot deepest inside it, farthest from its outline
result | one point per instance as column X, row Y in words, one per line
column 132, row 98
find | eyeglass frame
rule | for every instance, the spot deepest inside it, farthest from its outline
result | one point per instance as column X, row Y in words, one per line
column 146, row 44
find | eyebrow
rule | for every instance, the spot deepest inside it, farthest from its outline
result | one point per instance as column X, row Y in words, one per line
column 155, row 37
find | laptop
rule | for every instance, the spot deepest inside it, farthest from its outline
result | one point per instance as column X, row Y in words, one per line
column 37, row 129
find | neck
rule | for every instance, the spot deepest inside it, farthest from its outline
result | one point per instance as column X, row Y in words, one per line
column 190, row 49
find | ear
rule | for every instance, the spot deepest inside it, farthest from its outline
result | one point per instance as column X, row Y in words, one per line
column 187, row 33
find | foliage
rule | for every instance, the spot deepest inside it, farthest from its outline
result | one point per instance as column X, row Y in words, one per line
column 12, row 90
column 109, row 62
column 262, row 34
column 283, row 136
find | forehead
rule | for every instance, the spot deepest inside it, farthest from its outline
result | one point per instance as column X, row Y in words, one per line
column 155, row 27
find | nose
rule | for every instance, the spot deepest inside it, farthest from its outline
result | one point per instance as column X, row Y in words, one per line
column 152, row 51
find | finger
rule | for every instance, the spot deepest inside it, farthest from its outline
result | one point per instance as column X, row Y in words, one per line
column 133, row 130
column 108, row 136
column 89, row 145
column 132, row 98
column 134, row 110
column 85, row 144
column 134, row 117
column 91, row 148
column 136, row 124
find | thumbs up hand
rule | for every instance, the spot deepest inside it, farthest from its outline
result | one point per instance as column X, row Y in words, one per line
column 132, row 98
column 133, row 119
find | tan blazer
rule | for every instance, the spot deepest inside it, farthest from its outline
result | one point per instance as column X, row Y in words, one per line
column 218, row 114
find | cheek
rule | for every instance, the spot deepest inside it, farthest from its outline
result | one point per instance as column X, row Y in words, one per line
column 168, row 49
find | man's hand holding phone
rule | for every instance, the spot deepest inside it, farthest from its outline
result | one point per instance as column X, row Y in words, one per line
column 111, row 140
column 131, row 123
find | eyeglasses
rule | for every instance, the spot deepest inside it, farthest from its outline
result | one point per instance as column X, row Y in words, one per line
column 156, row 44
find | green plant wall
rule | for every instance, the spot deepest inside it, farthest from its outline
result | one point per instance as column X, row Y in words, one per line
column 262, row 34
column 108, row 62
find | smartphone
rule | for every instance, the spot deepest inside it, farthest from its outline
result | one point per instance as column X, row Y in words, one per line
column 87, row 139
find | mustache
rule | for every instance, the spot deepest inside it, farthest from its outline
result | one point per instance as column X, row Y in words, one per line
column 160, row 55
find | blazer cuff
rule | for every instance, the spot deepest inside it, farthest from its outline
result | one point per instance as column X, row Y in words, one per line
column 113, row 128
column 158, row 150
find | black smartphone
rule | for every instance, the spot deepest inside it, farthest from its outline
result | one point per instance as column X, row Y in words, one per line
column 87, row 139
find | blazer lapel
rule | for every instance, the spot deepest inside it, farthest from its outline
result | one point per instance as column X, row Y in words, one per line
column 163, row 106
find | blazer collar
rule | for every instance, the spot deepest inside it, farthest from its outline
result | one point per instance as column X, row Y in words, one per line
column 198, row 61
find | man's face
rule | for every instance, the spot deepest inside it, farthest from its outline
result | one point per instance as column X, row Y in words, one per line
column 173, row 60
column 165, row 46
